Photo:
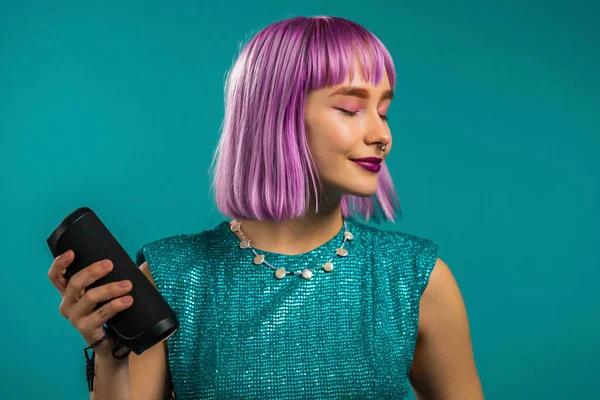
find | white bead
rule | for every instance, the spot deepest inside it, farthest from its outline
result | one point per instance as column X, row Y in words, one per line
column 328, row 266
column 341, row 252
column 280, row 273
column 235, row 225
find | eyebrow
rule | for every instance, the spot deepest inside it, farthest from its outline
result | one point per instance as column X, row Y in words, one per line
column 360, row 92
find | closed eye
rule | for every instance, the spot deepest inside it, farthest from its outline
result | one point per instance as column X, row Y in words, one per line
column 353, row 113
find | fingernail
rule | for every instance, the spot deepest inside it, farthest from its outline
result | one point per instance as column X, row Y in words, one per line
column 124, row 284
column 66, row 255
column 126, row 300
column 105, row 264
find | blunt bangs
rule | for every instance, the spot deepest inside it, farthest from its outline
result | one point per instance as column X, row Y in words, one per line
column 262, row 167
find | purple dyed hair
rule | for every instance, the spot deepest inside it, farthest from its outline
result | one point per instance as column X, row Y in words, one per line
column 264, row 169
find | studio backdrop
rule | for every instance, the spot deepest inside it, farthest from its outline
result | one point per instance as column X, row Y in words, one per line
column 117, row 106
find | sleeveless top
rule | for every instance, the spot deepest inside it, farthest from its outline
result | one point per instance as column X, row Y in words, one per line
column 244, row 334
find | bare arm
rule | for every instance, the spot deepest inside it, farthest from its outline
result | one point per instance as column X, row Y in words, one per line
column 111, row 380
column 444, row 366
column 144, row 377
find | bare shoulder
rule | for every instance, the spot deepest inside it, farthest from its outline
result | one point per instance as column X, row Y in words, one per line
column 444, row 365
column 145, row 268
column 441, row 285
column 149, row 372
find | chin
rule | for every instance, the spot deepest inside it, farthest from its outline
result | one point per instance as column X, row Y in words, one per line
column 355, row 188
column 362, row 193
column 365, row 190
column 354, row 182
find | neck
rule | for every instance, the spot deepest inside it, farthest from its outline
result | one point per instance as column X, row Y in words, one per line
column 298, row 235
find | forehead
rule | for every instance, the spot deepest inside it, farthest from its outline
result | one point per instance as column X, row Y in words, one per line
column 369, row 89
column 358, row 81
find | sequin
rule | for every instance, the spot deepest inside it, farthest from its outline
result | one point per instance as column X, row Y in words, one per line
column 347, row 334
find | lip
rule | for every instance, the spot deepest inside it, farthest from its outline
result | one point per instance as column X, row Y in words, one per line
column 369, row 166
column 369, row 159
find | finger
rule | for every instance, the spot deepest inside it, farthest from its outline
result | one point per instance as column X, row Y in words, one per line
column 99, row 317
column 57, row 271
column 97, row 295
column 76, row 286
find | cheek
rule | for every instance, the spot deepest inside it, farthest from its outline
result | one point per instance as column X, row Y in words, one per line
column 332, row 138
column 337, row 132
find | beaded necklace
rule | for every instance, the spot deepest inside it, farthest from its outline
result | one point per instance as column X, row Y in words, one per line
column 235, row 226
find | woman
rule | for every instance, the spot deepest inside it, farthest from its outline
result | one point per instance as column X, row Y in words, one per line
column 293, row 297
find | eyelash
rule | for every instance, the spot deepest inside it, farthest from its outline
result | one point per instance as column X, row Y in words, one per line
column 353, row 113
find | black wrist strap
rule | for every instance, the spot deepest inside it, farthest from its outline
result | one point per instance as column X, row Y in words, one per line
column 90, row 365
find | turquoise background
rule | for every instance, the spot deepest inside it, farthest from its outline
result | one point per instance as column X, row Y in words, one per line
column 117, row 106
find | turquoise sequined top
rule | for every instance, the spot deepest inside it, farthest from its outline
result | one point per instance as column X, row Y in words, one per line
column 244, row 334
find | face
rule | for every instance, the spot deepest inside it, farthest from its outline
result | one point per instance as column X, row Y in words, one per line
column 346, row 126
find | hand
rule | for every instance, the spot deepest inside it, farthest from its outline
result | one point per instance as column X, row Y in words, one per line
column 78, row 304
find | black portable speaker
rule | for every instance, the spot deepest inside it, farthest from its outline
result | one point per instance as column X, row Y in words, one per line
column 150, row 319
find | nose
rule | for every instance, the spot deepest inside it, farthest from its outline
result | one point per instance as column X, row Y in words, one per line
column 378, row 134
